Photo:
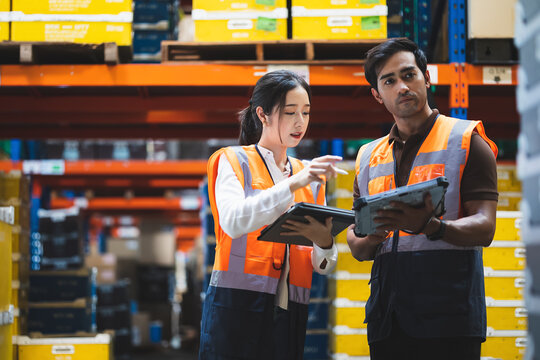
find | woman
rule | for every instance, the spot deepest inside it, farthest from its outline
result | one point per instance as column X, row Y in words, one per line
column 256, row 304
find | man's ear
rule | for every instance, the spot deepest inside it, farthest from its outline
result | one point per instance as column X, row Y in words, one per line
column 376, row 95
column 428, row 79
column 261, row 115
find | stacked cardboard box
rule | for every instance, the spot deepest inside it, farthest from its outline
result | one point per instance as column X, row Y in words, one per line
column 5, row 7
column 509, row 187
column 240, row 20
column 347, row 19
column 80, row 21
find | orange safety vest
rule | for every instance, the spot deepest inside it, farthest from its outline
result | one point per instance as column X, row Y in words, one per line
column 444, row 152
column 245, row 262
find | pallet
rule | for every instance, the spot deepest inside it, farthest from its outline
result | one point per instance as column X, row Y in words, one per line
column 269, row 52
column 12, row 52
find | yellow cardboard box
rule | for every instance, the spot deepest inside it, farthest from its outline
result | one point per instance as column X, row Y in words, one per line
column 505, row 255
column 344, row 312
column 347, row 341
column 239, row 5
column 339, row 24
column 79, row 348
column 337, row 4
column 507, row 179
column 509, row 201
column 78, row 32
column 507, row 344
column 4, row 31
column 240, row 26
column 504, row 284
column 508, row 226
column 354, row 287
column 506, row 314
column 72, row 7
column 5, row 5
column 5, row 290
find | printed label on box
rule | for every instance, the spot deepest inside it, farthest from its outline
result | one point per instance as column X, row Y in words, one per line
column 239, row 25
column 334, row 21
column 497, row 75
column 371, row 23
column 266, row 24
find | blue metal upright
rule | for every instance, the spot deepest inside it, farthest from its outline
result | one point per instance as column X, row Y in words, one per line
column 423, row 23
column 457, row 42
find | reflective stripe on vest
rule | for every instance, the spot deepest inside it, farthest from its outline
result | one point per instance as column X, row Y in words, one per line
column 257, row 272
column 443, row 153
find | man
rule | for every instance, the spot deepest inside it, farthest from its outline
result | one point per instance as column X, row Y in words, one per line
column 427, row 288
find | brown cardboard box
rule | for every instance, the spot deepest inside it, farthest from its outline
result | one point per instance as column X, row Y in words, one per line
column 106, row 265
column 124, row 248
column 491, row 19
column 158, row 244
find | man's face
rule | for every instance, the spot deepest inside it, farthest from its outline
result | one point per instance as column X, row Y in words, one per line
column 402, row 87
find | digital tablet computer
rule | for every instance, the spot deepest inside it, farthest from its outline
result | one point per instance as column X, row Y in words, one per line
column 340, row 220
column 366, row 207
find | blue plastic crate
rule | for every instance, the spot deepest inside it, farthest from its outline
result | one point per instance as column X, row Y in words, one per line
column 149, row 42
column 155, row 15
column 318, row 314
column 319, row 286
column 316, row 345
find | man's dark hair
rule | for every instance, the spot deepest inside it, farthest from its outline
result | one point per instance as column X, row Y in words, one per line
column 377, row 57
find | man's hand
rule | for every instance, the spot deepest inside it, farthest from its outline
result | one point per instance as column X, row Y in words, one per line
column 405, row 217
column 363, row 248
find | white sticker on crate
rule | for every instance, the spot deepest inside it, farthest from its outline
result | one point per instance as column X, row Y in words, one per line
column 334, row 21
column 63, row 349
column 240, row 24
column 498, row 75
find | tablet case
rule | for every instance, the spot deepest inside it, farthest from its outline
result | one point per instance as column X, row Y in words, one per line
column 341, row 219
column 366, row 207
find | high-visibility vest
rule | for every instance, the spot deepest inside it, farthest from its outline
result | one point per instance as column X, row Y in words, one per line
column 432, row 288
column 245, row 262
column 444, row 152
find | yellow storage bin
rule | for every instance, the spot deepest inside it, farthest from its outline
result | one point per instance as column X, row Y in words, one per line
column 504, row 285
column 6, row 308
column 236, row 5
column 78, row 348
column 337, row 4
column 506, row 314
column 505, row 345
column 347, row 341
column 5, row 5
column 345, row 285
column 78, row 32
column 20, row 240
column 20, row 268
column 339, row 24
column 508, row 226
column 15, row 187
column 344, row 312
column 507, row 179
column 72, row 7
column 240, row 26
column 509, row 201
column 346, row 262
column 505, row 255
column 4, row 31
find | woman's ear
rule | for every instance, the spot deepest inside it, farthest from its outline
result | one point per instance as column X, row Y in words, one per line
column 261, row 115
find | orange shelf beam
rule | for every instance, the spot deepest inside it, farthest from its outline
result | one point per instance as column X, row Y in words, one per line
column 177, row 75
column 136, row 204
column 124, row 168
column 98, row 182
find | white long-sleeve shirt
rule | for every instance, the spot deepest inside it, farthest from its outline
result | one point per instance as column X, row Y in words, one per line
column 239, row 215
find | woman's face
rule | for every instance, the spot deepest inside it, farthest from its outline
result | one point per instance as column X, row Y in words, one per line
column 289, row 127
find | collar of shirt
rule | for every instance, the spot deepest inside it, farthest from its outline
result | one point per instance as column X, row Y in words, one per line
column 271, row 163
column 426, row 128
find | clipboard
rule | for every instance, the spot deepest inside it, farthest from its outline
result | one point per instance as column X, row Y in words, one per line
column 341, row 220
column 366, row 207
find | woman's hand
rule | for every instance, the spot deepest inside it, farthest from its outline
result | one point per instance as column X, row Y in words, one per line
column 314, row 230
column 316, row 171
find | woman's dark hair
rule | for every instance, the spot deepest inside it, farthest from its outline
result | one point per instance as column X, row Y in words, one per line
column 270, row 91
column 377, row 57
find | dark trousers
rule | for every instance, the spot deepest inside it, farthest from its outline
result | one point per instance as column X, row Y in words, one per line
column 404, row 347
column 289, row 332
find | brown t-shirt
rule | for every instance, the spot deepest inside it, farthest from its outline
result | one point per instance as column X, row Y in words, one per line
column 479, row 180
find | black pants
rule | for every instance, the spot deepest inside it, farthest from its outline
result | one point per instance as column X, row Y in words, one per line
column 403, row 347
